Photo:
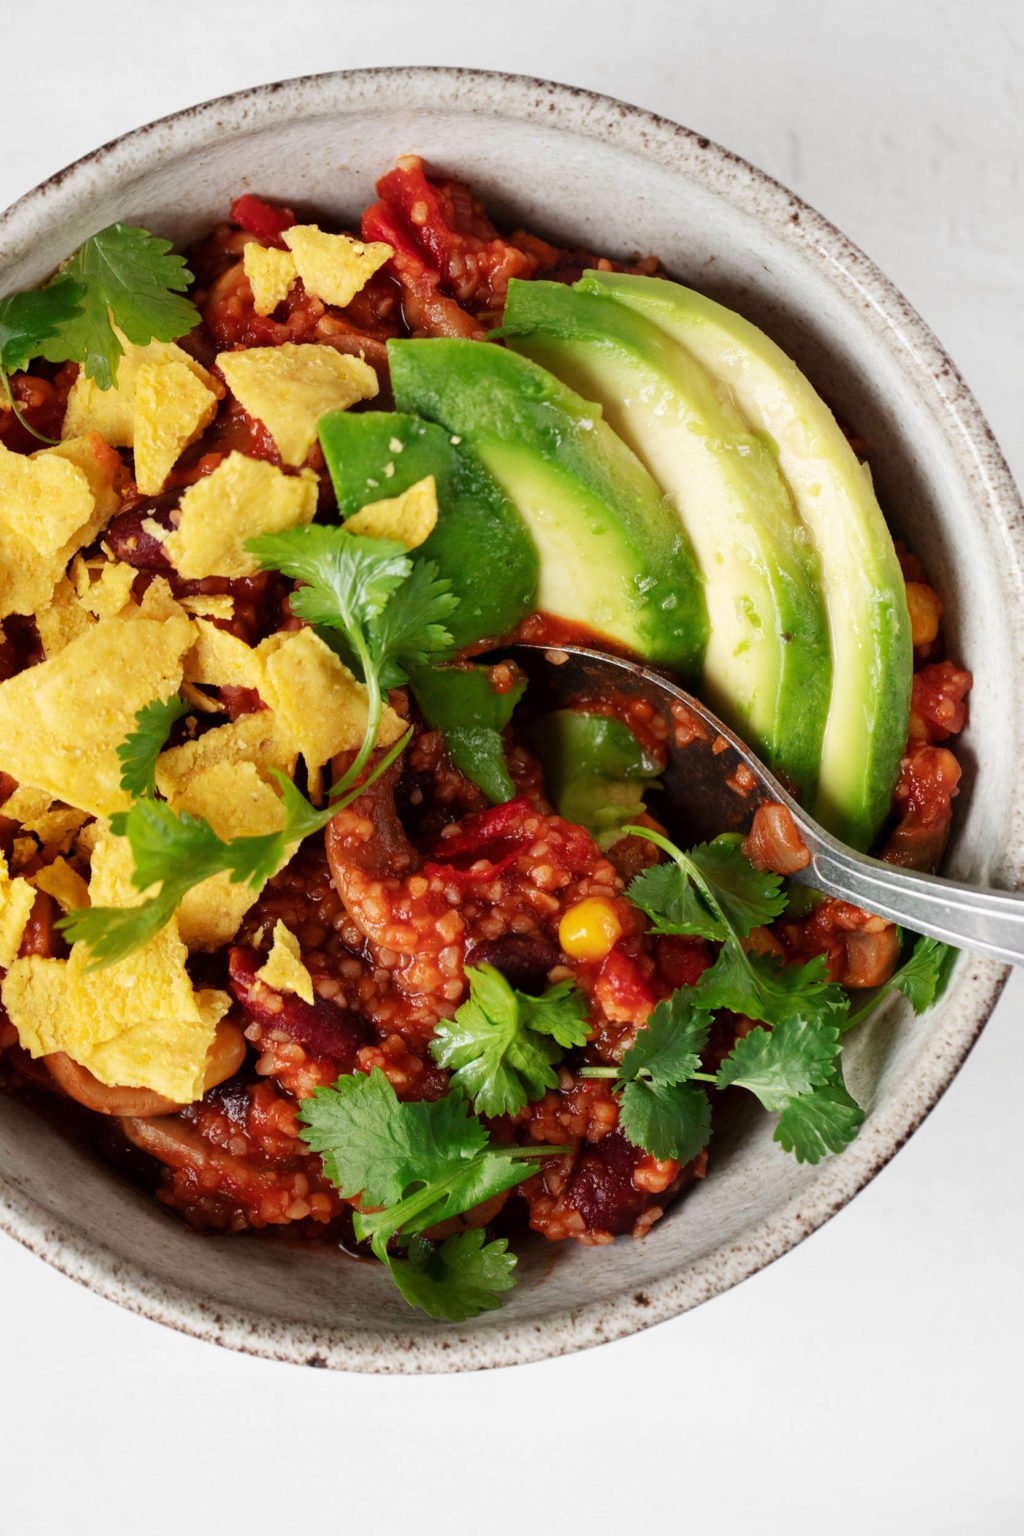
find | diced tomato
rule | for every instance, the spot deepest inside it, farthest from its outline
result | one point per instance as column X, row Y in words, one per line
column 266, row 221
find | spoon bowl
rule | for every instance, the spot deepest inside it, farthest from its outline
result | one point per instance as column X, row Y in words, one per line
column 713, row 783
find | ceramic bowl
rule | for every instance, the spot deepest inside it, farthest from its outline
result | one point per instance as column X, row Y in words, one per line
column 585, row 170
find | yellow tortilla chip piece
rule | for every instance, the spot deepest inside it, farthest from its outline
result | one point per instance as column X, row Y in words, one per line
column 62, row 620
column 318, row 702
column 271, row 273
column 284, row 970
column 111, row 412
column 16, row 899
column 63, row 883
column 37, row 813
column 242, row 497
column 51, row 504
column 289, row 388
column 172, row 407
column 409, row 519
column 334, row 267
column 159, row 602
column 110, row 592
column 136, row 1024
column 62, row 721
column 254, row 738
column 220, row 660
column 237, row 803
column 210, row 605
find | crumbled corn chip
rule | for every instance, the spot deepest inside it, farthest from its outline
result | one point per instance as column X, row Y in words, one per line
column 137, row 1023
column 16, row 899
column 255, row 738
column 236, row 802
column 334, row 267
column 409, row 519
column 62, row 721
column 241, row 498
column 111, row 412
column 284, row 970
column 288, row 388
column 172, row 407
column 318, row 702
column 63, row 883
column 271, row 273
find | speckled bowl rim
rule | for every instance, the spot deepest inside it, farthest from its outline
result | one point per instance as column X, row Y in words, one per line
column 91, row 1262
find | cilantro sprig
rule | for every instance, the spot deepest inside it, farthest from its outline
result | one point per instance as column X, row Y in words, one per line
column 26, row 321
column 381, row 612
column 175, row 851
column 140, row 749
column 128, row 278
column 714, row 892
column 414, row 1165
column 502, row 1045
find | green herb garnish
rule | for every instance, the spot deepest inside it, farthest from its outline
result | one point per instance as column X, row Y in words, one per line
column 141, row 748
column 128, row 278
column 420, row 1163
column 502, row 1044
column 383, row 614
column 26, row 321
column 177, row 851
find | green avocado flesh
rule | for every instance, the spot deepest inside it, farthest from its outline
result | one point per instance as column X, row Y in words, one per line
column 480, row 542
column 612, row 554
column 767, row 666
column 872, row 650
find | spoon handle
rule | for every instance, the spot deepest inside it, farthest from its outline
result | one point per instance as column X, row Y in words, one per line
column 986, row 921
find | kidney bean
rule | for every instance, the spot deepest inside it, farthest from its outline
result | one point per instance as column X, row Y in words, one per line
column 523, row 961
column 322, row 1027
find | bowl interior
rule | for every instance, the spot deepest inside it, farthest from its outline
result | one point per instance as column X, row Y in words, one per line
column 584, row 171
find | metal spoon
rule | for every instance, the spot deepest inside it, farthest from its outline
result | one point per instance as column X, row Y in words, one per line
column 714, row 783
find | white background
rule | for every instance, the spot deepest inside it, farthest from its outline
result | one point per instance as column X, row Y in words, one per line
column 871, row 1379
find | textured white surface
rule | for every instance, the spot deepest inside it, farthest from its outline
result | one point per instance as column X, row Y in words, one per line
column 869, row 1379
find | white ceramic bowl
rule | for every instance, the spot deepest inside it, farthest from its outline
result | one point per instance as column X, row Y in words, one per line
column 582, row 169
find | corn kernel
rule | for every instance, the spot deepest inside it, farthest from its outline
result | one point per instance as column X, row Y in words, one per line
column 589, row 929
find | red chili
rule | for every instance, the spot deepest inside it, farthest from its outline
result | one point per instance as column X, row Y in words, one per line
column 264, row 220
column 495, row 835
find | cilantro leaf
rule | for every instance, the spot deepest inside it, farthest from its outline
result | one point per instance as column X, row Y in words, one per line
column 462, row 702
column 673, row 903
column 712, row 892
column 501, row 1046
column 761, row 987
column 378, row 1146
column 461, row 1278
column 923, row 976
column 176, row 851
column 347, row 580
column 29, row 319
column 139, row 751
column 560, row 1012
column 745, row 896
column 127, row 278
column 421, row 1162
column 665, row 1119
column 378, row 611
column 783, row 1063
column 668, row 1048
column 825, row 1120
column 411, row 627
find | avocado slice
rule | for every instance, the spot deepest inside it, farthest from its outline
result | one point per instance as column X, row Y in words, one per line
column 766, row 668
column 872, row 650
column 377, row 454
column 612, row 554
